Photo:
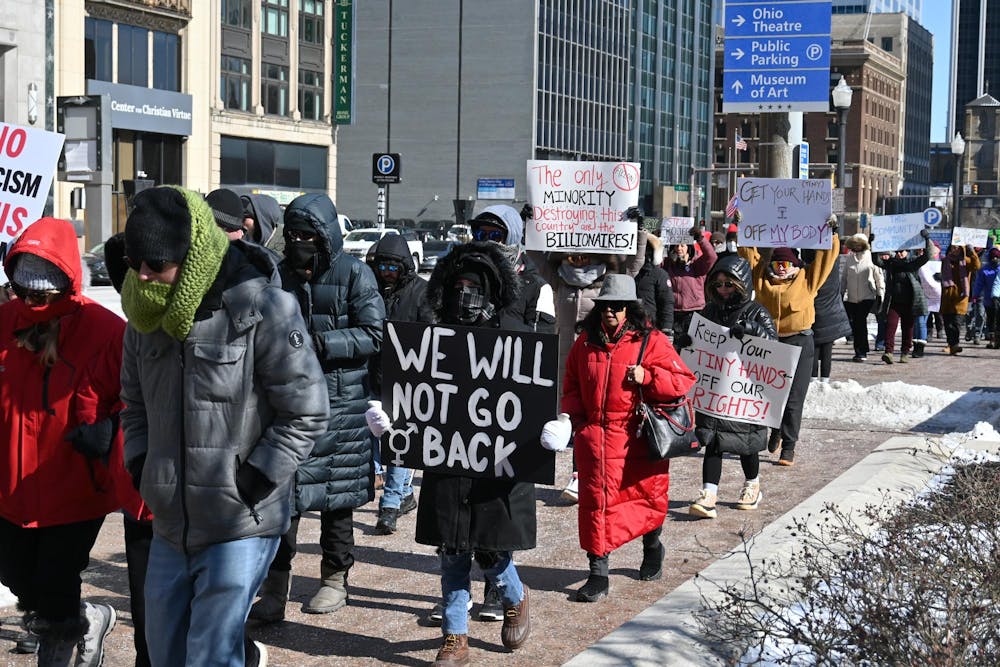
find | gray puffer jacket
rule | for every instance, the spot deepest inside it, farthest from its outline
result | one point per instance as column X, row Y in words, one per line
column 244, row 386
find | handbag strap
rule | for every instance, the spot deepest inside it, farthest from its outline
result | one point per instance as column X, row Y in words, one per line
column 642, row 350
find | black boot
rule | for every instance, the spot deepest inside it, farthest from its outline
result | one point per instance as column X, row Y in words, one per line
column 918, row 349
column 597, row 583
column 651, row 568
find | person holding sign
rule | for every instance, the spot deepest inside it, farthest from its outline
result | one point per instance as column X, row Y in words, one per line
column 788, row 291
column 687, row 272
column 957, row 268
column 864, row 284
column 983, row 291
column 904, row 297
column 728, row 303
column 623, row 494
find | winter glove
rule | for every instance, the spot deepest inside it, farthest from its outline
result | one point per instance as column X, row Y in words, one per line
column 937, row 277
column 634, row 213
column 378, row 420
column 252, row 485
column 871, row 239
column 556, row 433
column 682, row 340
column 695, row 233
column 925, row 234
column 134, row 469
column 832, row 222
column 737, row 331
column 94, row 440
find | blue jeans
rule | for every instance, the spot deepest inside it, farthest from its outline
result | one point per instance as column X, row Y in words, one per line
column 920, row 328
column 456, row 582
column 197, row 605
column 398, row 485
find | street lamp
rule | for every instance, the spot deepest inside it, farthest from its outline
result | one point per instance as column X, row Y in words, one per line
column 842, row 94
column 958, row 150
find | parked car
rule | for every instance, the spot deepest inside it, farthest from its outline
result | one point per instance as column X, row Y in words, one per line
column 98, row 269
column 360, row 241
column 459, row 233
column 433, row 251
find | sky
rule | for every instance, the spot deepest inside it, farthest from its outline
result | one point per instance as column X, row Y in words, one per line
column 936, row 17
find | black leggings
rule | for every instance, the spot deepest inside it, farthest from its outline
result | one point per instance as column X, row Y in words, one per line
column 711, row 465
column 823, row 360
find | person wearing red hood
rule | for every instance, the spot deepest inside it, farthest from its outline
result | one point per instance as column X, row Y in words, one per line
column 60, row 357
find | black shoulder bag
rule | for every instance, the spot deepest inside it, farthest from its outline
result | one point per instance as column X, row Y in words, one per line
column 667, row 427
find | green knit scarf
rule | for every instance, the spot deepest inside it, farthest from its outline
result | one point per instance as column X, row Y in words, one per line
column 150, row 306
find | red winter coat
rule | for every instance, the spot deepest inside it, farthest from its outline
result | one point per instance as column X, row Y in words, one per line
column 623, row 494
column 43, row 480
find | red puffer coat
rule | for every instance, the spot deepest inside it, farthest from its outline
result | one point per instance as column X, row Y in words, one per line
column 623, row 494
column 44, row 481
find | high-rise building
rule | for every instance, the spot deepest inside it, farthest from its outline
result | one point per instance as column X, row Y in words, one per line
column 911, row 7
column 975, row 48
column 466, row 91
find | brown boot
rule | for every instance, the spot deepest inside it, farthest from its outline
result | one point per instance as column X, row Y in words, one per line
column 516, row 623
column 455, row 651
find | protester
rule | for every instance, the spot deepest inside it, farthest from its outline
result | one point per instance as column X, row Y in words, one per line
column 687, row 272
column 983, row 292
column 975, row 315
column 466, row 517
column 227, row 210
column 904, row 297
column 864, row 286
column 930, row 282
column 223, row 399
column 728, row 302
column 261, row 217
column 60, row 354
column 652, row 284
column 788, row 291
column 623, row 493
column 340, row 302
column 831, row 318
column 956, row 267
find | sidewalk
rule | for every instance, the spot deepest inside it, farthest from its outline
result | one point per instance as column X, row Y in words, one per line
column 394, row 583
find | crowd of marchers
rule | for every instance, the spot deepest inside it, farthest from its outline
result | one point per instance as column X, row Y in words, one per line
column 241, row 392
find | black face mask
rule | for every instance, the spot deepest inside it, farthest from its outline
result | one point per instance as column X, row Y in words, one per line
column 301, row 254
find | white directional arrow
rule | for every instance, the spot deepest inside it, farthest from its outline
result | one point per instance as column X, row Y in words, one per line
column 738, row 53
column 739, row 20
column 737, row 86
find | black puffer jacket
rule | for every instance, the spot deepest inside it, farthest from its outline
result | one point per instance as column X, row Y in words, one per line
column 523, row 314
column 344, row 311
column 831, row 317
column 652, row 285
column 733, row 436
column 466, row 513
column 902, row 284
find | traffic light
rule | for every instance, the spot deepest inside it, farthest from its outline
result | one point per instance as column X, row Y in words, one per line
column 975, row 188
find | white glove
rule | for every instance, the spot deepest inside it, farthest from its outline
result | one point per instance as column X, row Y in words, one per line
column 545, row 303
column 556, row 433
column 378, row 420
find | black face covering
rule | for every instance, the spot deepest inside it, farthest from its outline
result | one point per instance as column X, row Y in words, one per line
column 301, row 254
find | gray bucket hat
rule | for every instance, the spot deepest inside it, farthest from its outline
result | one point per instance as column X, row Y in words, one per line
column 617, row 287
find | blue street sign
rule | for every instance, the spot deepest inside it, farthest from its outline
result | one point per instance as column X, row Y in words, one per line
column 777, row 56
column 932, row 216
column 804, row 160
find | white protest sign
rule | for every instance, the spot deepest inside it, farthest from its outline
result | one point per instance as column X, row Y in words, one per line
column 27, row 162
column 746, row 380
column 785, row 212
column 675, row 231
column 580, row 206
column 897, row 232
column 969, row 236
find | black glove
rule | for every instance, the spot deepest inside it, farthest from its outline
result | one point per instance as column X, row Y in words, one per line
column 94, row 440
column 737, row 331
column 695, row 233
column 633, row 213
column 871, row 238
column 682, row 340
column 937, row 277
column 252, row 485
column 925, row 234
column 134, row 469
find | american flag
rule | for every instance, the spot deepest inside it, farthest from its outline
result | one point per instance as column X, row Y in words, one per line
column 741, row 144
column 732, row 206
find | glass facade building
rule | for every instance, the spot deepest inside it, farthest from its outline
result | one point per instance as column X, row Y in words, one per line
column 975, row 67
column 911, row 7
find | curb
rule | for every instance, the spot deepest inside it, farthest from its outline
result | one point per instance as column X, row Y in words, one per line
column 667, row 634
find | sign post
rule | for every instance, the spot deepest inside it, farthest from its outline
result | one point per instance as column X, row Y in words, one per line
column 386, row 169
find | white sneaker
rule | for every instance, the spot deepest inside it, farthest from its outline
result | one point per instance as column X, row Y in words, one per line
column 750, row 496
column 100, row 621
column 572, row 491
column 260, row 660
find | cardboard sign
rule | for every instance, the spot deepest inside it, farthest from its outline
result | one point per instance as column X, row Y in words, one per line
column 969, row 236
column 897, row 232
column 942, row 237
column 676, row 231
column 27, row 162
column 746, row 380
column 785, row 212
column 580, row 206
column 469, row 401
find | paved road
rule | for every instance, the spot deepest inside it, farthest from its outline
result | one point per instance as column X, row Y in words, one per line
column 394, row 582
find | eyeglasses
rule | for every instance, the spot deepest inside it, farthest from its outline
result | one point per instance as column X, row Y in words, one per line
column 300, row 235
column 41, row 296
column 615, row 306
column 782, row 264
column 155, row 265
column 489, row 234
column 384, row 266
column 724, row 283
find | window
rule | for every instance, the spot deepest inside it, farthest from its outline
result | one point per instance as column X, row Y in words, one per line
column 887, row 44
column 235, row 84
column 237, row 13
column 165, row 61
column 274, row 89
column 310, row 94
column 311, row 21
column 97, row 49
column 274, row 17
column 133, row 55
column 257, row 162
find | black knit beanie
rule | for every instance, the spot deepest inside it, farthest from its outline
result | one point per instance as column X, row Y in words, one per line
column 227, row 208
column 159, row 227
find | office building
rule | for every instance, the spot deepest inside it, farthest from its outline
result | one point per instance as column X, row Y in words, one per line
column 975, row 48
column 912, row 8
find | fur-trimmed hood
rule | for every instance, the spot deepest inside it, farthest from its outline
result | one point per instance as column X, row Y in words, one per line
column 489, row 258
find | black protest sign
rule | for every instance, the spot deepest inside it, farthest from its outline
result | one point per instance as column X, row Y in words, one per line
column 469, row 401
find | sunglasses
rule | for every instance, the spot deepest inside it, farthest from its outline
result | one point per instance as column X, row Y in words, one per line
column 300, row 235
column 782, row 264
column 615, row 306
column 724, row 283
column 481, row 234
column 382, row 266
column 155, row 265
column 36, row 295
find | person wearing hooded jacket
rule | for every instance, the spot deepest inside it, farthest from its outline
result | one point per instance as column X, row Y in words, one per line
column 340, row 301
column 60, row 356
column 831, row 318
column 904, row 296
column 261, row 217
column 958, row 268
column 728, row 303
column 653, row 286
